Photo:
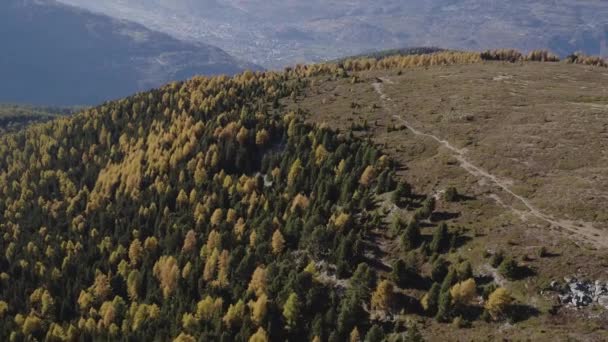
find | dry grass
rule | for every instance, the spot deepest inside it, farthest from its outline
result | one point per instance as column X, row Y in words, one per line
column 542, row 126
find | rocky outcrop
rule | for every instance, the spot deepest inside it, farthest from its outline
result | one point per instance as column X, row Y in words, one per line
column 581, row 293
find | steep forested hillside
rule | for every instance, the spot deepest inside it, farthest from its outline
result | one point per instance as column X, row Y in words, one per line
column 60, row 55
column 205, row 210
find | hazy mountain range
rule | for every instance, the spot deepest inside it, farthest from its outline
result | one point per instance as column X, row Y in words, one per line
column 56, row 54
column 275, row 33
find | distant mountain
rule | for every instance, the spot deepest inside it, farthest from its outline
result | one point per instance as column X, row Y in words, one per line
column 15, row 117
column 274, row 33
column 55, row 54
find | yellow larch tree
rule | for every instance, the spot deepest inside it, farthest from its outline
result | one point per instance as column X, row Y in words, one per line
column 189, row 241
column 258, row 283
column 262, row 137
column 135, row 252
column 367, row 176
column 211, row 265
column 167, row 271
column 101, row 287
column 463, row 293
column 320, row 154
column 294, row 172
column 259, row 336
column 235, row 314
column 383, row 297
column 498, row 302
column 258, row 309
column 278, row 242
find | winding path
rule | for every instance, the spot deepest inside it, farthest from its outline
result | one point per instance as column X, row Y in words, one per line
column 582, row 230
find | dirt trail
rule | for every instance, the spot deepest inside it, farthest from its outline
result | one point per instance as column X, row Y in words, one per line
column 581, row 230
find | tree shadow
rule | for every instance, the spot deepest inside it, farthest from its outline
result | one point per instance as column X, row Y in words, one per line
column 547, row 254
column 439, row 216
column 523, row 272
column 419, row 282
column 377, row 264
column 418, row 198
column 401, row 167
column 424, row 224
column 470, row 312
column 464, row 198
column 410, row 304
column 483, row 280
column 521, row 312
column 461, row 240
column 373, row 204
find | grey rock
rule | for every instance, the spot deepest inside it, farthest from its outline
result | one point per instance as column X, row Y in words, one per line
column 581, row 293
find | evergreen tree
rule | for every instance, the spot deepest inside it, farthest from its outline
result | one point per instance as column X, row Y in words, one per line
column 439, row 270
column 428, row 207
column 375, row 334
column 441, row 238
column 449, row 280
column 411, row 237
column 291, row 310
column 430, row 301
column 401, row 273
column 444, row 307
column 404, row 190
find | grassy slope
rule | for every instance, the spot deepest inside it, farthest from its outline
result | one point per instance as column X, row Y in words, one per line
column 538, row 125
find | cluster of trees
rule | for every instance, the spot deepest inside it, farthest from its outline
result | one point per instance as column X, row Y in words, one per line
column 398, row 60
column 581, row 58
column 198, row 210
column 511, row 55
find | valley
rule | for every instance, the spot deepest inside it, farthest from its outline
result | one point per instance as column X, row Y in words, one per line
column 67, row 56
column 275, row 34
